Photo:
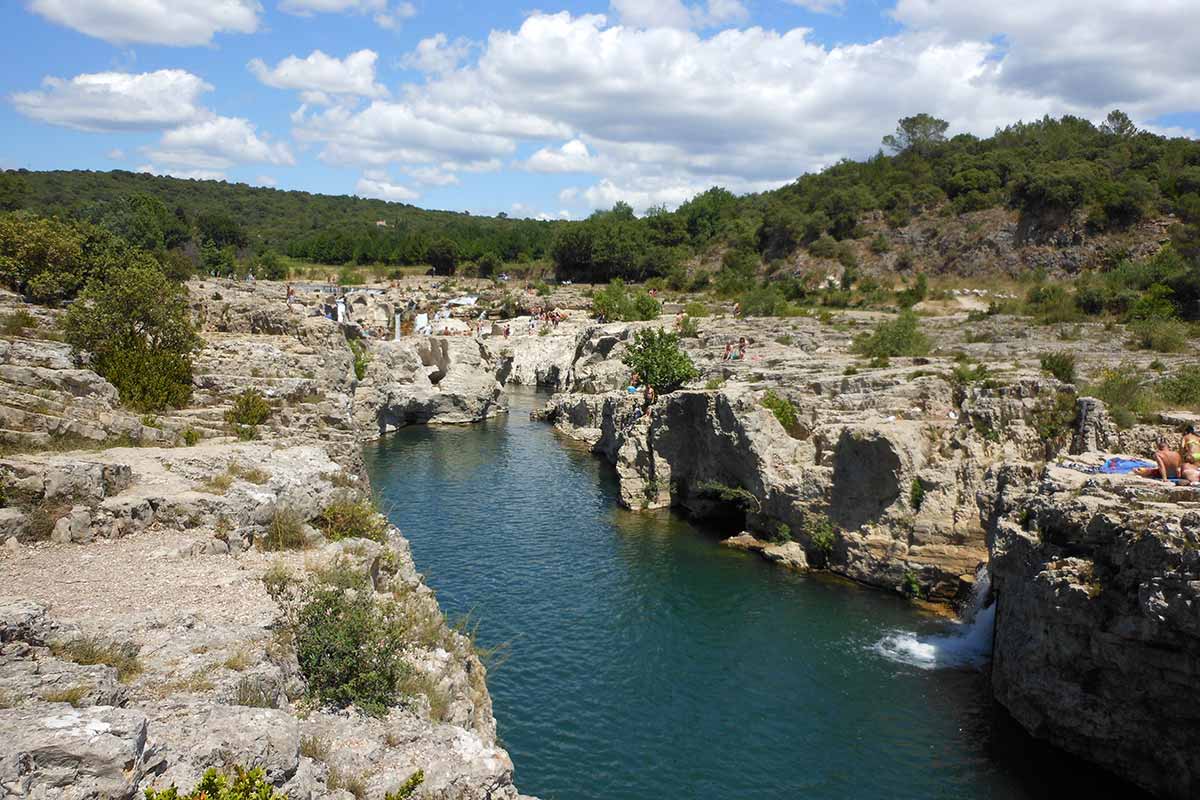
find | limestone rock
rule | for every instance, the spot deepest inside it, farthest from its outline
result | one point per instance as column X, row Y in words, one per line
column 77, row 754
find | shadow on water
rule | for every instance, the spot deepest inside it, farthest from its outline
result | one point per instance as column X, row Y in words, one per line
column 646, row 661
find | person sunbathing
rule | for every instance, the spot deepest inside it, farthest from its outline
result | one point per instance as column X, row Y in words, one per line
column 1189, row 449
column 1169, row 464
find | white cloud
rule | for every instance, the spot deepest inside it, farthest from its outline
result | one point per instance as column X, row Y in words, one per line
column 437, row 54
column 379, row 185
column 318, row 74
column 571, row 157
column 116, row 154
column 169, row 22
column 218, row 143
column 658, row 112
column 675, row 14
column 193, row 174
column 266, row 180
column 386, row 132
column 113, row 101
column 385, row 16
column 1139, row 54
column 392, row 19
column 433, row 175
column 819, row 6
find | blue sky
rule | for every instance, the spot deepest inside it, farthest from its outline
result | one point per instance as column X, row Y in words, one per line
column 557, row 109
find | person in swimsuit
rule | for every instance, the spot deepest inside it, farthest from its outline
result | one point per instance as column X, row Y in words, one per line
column 1169, row 464
column 1189, row 448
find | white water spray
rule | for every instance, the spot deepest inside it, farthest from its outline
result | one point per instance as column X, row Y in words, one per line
column 968, row 647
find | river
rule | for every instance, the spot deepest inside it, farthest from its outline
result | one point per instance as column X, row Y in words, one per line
column 645, row 661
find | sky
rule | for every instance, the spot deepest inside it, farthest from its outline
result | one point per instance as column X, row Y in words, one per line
column 555, row 110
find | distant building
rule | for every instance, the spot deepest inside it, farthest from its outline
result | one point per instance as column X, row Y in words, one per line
column 381, row 223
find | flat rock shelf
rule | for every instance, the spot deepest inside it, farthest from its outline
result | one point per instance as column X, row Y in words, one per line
column 644, row 660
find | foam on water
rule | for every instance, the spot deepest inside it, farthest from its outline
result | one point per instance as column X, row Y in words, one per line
column 969, row 646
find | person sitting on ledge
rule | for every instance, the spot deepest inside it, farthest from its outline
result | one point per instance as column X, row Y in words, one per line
column 1189, row 448
column 1169, row 464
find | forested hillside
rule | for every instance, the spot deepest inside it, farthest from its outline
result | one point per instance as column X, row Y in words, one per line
column 1057, row 183
column 323, row 228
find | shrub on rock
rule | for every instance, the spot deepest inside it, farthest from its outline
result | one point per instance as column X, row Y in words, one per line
column 137, row 328
column 656, row 357
column 901, row 336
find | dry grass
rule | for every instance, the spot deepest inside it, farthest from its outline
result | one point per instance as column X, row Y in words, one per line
column 314, row 747
column 284, row 532
column 88, row 650
column 239, row 661
column 73, row 695
column 341, row 780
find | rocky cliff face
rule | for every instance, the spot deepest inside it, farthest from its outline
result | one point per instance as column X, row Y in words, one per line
column 139, row 645
column 1097, row 644
column 923, row 472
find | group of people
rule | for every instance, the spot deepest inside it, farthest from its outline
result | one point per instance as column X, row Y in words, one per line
column 1180, row 464
column 740, row 355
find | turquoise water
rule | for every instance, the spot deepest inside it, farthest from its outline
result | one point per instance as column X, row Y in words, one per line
column 645, row 661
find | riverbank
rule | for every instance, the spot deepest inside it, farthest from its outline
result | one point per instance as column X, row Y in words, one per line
column 906, row 474
column 155, row 572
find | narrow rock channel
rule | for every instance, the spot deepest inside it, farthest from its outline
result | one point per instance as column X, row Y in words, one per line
column 640, row 659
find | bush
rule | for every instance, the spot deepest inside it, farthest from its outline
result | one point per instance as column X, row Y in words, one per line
column 899, row 337
column 783, row 410
column 285, row 531
column 348, row 643
column 1051, row 303
column 782, row 534
column 1060, row 365
column 697, row 309
column 1182, row 389
column 361, row 357
column 741, row 499
column 351, row 517
column 250, row 409
column 655, row 355
column 824, row 247
column 763, row 301
column 407, row 789
column 881, row 244
column 916, row 494
column 245, row 785
column 616, row 303
column 16, row 323
column 821, row 536
column 1122, row 391
column 689, row 328
column 910, row 296
column 140, row 336
column 1161, row 336
column 50, row 261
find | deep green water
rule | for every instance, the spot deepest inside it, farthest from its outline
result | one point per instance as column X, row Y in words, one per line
column 647, row 662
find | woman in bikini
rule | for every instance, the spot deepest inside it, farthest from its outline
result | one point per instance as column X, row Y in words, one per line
column 1189, row 449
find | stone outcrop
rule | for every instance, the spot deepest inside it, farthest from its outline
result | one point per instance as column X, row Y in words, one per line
column 1097, row 643
column 215, row 685
column 424, row 380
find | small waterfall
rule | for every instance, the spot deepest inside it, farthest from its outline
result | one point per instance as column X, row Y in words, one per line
column 969, row 646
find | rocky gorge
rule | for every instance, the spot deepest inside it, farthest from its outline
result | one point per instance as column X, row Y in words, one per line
column 907, row 476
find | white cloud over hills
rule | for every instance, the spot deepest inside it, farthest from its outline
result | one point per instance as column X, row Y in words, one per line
column 650, row 104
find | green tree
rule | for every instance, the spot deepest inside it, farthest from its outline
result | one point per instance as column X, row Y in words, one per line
column 1118, row 123
column 139, row 333
column 50, row 261
column 13, row 191
column 654, row 354
column 917, row 134
column 443, row 256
